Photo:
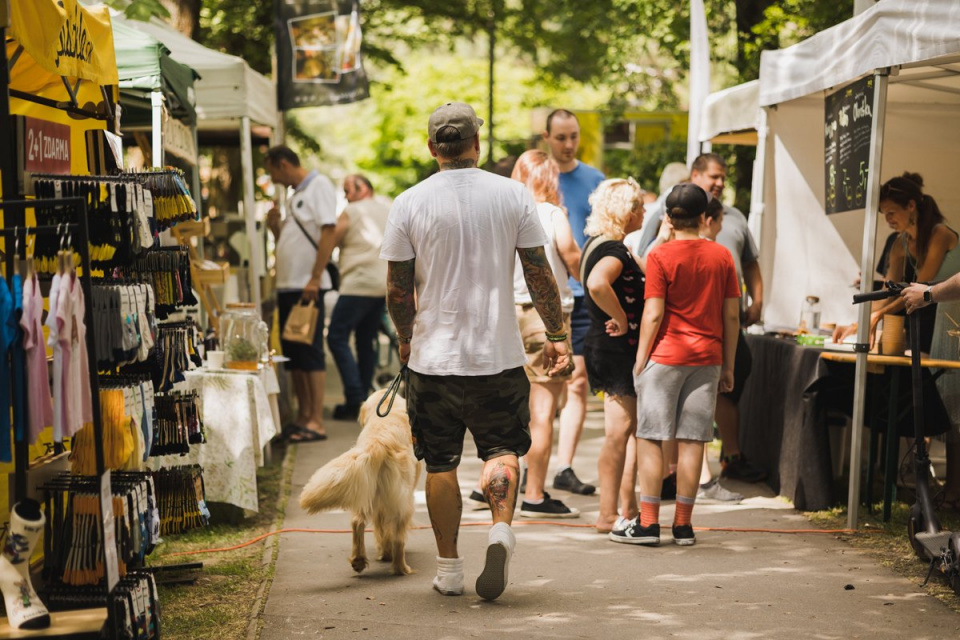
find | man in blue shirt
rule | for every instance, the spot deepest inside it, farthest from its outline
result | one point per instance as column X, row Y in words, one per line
column 577, row 182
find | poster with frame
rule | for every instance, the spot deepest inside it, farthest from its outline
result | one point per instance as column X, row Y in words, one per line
column 319, row 60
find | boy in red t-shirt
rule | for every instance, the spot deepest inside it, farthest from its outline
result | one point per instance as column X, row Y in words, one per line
column 688, row 340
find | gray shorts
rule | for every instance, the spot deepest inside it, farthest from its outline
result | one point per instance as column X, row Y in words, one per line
column 676, row 402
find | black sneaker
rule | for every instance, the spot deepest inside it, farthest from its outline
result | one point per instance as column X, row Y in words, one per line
column 683, row 535
column 549, row 508
column 668, row 491
column 479, row 502
column 633, row 533
column 346, row 412
column 567, row 480
column 737, row 468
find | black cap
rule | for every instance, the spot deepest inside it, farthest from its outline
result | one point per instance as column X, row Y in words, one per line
column 686, row 200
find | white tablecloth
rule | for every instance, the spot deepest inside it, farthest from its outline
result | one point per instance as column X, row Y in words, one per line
column 240, row 417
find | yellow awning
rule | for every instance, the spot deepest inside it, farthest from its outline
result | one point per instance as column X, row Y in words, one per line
column 64, row 39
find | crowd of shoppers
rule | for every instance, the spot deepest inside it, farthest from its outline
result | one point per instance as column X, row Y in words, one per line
column 584, row 284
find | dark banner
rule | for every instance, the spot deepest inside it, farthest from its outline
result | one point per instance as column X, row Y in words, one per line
column 318, row 53
column 848, row 122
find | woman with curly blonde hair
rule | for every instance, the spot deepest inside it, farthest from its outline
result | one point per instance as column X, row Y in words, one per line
column 614, row 299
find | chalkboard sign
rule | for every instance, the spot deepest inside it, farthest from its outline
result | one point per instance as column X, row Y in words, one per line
column 848, row 121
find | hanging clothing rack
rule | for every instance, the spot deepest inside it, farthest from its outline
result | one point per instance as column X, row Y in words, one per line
column 18, row 210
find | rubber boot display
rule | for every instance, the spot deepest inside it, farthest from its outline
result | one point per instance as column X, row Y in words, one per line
column 24, row 609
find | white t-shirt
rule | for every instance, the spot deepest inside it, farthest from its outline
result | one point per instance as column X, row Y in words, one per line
column 314, row 203
column 521, row 295
column 464, row 227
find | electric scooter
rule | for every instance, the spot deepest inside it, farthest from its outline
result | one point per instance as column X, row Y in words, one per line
column 927, row 537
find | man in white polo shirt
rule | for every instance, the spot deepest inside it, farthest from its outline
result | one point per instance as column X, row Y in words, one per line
column 305, row 240
column 450, row 242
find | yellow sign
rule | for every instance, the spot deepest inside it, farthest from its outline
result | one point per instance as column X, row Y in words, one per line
column 66, row 39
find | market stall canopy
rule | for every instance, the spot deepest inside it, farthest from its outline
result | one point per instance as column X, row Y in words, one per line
column 732, row 116
column 54, row 43
column 920, row 36
column 228, row 89
column 144, row 65
column 804, row 251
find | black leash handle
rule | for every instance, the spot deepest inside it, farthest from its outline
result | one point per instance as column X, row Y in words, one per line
column 392, row 391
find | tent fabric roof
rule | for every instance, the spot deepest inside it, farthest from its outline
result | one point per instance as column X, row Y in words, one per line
column 731, row 111
column 889, row 34
column 228, row 89
column 144, row 65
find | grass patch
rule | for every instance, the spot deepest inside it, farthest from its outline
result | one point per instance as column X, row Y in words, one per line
column 218, row 605
column 887, row 542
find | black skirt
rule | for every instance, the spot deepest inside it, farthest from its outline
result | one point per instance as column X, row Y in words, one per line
column 610, row 371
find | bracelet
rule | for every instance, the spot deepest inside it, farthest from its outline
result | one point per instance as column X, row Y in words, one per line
column 560, row 337
column 403, row 340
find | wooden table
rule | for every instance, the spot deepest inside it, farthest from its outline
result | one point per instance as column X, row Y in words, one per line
column 876, row 364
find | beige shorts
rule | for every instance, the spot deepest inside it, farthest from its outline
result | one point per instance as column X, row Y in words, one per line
column 534, row 336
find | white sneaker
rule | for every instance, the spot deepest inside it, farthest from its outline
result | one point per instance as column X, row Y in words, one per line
column 621, row 524
column 713, row 491
column 493, row 579
column 449, row 578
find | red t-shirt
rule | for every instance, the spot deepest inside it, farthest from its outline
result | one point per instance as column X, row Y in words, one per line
column 694, row 277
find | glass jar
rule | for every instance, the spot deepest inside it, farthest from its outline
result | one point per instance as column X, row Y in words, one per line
column 810, row 315
column 244, row 337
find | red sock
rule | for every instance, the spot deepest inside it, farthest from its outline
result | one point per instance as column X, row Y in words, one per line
column 649, row 510
column 684, row 510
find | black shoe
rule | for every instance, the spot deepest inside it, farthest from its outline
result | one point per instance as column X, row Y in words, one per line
column 633, row 533
column 523, row 483
column 549, row 508
column 479, row 502
column 567, row 480
column 737, row 468
column 346, row 412
column 683, row 535
column 668, row 491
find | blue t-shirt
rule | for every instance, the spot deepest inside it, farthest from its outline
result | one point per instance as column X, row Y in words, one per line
column 575, row 188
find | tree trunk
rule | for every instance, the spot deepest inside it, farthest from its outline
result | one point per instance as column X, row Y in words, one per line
column 185, row 16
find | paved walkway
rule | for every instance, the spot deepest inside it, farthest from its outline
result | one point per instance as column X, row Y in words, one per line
column 573, row 583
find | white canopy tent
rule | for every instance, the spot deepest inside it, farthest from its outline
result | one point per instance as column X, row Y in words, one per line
column 230, row 96
column 912, row 47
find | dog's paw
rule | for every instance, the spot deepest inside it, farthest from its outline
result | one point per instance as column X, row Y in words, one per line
column 385, row 557
column 405, row 570
column 359, row 563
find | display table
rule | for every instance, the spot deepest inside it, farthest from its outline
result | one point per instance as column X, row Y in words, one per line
column 783, row 413
column 240, row 417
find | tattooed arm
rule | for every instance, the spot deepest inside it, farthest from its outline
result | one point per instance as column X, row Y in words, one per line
column 546, row 298
column 401, row 302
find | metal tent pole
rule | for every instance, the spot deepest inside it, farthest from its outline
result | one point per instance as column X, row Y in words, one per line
column 255, row 268
column 866, row 283
column 156, row 107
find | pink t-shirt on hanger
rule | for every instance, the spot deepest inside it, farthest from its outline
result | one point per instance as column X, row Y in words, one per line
column 39, row 400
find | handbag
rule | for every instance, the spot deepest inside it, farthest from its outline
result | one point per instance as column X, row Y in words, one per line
column 301, row 325
column 332, row 269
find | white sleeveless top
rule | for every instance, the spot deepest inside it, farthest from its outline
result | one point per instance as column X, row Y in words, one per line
column 547, row 213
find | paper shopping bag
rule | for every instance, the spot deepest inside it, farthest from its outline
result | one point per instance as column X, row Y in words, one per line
column 301, row 324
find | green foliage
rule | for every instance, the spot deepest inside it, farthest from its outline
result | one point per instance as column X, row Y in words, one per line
column 644, row 163
column 241, row 28
column 140, row 9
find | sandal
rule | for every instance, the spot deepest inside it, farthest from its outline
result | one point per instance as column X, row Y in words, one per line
column 296, row 433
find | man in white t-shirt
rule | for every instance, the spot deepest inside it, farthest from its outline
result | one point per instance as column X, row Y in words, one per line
column 363, row 291
column 450, row 242
column 305, row 240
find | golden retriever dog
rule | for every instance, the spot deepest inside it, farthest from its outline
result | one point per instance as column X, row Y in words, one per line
column 375, row 481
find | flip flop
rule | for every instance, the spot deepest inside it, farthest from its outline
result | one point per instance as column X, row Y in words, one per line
column 297, row 433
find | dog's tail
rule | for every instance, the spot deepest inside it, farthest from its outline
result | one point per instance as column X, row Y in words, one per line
column 347, row 482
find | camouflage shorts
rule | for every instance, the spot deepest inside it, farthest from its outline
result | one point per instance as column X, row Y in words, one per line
column 495, row 408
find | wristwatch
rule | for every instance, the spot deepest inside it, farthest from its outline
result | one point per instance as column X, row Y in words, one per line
column 928, row 294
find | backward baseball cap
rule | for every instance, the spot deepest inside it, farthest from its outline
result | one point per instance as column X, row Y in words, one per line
column 458, row 115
